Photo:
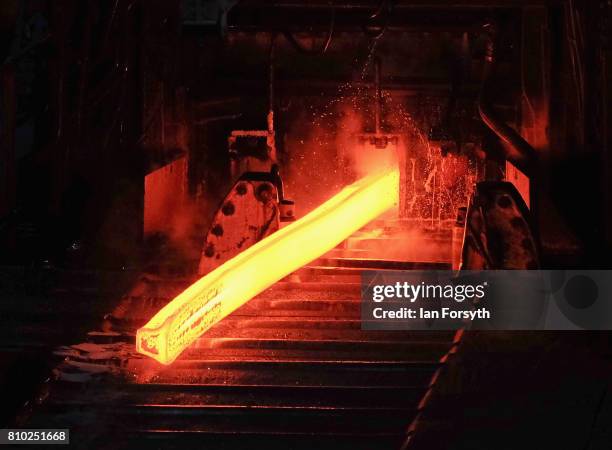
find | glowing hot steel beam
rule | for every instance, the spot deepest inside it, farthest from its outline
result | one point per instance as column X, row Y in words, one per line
column 231, row 285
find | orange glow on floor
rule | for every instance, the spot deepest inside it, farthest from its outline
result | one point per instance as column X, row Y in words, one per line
column 222, row 291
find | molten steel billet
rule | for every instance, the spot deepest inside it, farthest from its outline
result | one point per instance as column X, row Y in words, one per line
column 232, row 284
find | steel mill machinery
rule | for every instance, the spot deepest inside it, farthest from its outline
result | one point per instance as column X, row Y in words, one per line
column 194, row 189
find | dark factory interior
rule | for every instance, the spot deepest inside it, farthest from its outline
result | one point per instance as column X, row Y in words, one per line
column 157, row 156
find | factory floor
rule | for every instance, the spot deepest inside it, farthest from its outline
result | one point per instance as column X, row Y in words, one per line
column 40, row 310
column 530, row 390
column 501, row 390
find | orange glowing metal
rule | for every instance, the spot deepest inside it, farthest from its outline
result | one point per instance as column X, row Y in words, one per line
column 231, row 285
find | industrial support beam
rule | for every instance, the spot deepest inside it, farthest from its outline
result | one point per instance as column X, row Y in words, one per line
column 231, row 285
column 7, row 140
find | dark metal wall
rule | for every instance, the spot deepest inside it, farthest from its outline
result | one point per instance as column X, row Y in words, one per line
column 78, row 79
